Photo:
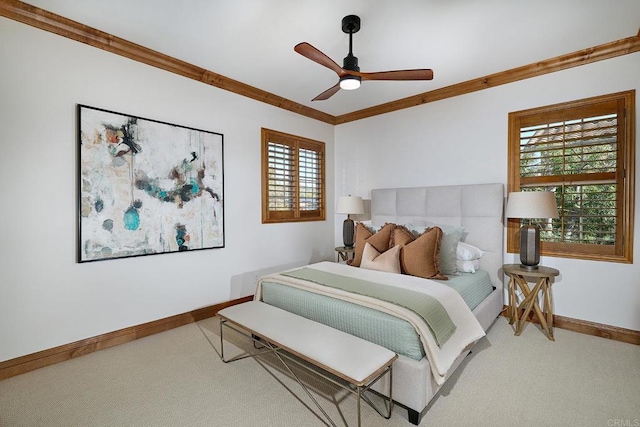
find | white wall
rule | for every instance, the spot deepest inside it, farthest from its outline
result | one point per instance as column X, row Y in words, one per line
column 46, row 298
column 463, row 140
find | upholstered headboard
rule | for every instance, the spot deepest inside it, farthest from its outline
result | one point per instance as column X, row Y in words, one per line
column 478, row 208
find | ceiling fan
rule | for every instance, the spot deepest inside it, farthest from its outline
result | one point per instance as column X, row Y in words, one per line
column 349, row 74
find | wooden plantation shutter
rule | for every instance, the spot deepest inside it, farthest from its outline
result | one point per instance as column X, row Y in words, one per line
column 282, row 166
column 583, row 152
column 310, row 179
column 293, row 180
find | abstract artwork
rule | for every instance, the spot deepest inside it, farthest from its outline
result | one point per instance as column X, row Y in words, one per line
column 146, row 187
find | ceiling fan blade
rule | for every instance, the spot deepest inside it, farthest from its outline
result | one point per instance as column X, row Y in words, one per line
column 327, row 93
column 310, row 52
column 421, row 74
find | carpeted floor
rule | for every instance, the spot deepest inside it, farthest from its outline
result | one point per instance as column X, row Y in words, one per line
column 176, row 378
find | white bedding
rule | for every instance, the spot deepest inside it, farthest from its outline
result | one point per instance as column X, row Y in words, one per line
column 468, row 329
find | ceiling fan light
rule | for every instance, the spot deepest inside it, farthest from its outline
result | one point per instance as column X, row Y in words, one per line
column 349, row 82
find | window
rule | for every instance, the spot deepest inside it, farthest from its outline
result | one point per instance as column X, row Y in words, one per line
column 293, row 185
column 584, row 152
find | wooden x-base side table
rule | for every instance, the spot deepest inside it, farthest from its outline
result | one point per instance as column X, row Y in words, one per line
column 518, row 279
column 345, row 253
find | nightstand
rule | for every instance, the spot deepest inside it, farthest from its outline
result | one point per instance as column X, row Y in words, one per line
column 518, row 276
column 345, row 253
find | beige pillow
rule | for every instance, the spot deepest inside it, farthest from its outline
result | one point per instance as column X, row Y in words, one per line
column 388, row 261
column 420, row 256
column 380, row 240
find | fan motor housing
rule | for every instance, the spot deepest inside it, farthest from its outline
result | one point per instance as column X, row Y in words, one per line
column 350, row 62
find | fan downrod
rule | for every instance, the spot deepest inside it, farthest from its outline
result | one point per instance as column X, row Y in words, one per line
column 350, row 25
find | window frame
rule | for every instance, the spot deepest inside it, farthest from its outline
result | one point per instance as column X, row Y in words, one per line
column 296, row 214
column 622, row 250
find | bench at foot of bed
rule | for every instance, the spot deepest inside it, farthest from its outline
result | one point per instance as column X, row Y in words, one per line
column 359, row 362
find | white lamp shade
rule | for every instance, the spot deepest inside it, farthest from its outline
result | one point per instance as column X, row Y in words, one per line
column 532, row 204
column 350, row 205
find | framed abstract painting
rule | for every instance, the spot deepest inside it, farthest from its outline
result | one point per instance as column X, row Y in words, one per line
column 146, row 187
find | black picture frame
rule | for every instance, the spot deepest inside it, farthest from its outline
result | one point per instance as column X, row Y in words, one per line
column 146, row 187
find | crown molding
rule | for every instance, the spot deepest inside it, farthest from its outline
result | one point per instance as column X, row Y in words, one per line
column 562, row 62
column 47, row 21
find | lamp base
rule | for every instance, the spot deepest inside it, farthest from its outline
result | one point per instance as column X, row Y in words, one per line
column 529, row 247
column 348, row 232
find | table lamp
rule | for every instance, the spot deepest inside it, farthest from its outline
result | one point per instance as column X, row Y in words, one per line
column 350, row 205
column 531, row 204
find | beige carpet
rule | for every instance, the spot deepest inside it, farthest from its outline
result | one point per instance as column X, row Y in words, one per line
column 176, row 378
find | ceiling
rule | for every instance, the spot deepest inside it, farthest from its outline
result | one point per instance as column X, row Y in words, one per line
column 252, row 40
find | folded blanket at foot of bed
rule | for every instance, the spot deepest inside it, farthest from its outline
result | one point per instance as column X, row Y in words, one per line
column 456, row 330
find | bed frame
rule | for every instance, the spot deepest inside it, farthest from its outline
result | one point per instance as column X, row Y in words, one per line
column 477, row 208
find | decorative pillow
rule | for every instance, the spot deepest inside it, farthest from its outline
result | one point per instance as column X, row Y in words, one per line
column 469, row 266
column 467, row 252
column 451, row 236
column 450, row 240
column 371, row 227
column 380, row 240
column 420, row 256
column 402, row 235
column 388, row 261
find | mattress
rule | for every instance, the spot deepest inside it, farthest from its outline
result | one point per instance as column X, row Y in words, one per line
column 367, row 323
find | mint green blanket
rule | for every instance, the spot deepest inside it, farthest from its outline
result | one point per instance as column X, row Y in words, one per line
column 428, row 308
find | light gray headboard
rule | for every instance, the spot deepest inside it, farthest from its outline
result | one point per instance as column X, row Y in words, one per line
column 478, row 208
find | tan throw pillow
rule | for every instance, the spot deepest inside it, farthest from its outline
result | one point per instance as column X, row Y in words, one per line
column 402, row 236
column 421, row 256
column 388, row 261
column 380, row 240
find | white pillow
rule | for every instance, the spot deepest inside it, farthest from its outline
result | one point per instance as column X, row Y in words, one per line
column 467, row 252
column 388, row 261
column 470, row 266
column 370, row 226
column 416, row 226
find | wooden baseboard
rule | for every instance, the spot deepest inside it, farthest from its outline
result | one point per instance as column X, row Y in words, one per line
column 585, row 327
column 30, row 362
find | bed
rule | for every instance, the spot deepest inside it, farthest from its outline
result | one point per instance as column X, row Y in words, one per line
column 476, row 208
